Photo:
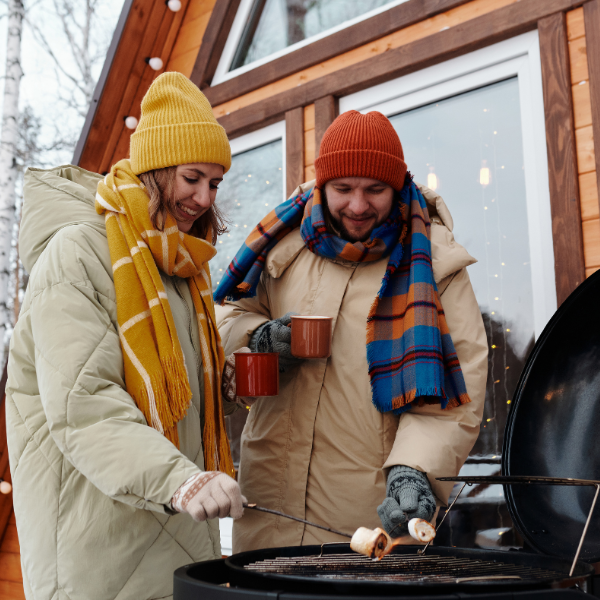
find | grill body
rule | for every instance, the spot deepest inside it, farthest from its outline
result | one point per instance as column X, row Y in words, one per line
column 339, row 572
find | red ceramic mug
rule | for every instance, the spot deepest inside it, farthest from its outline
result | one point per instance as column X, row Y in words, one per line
column 257, row 373
column 311, row 336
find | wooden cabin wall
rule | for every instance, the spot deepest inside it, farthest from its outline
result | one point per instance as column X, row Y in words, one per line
column 309, row 142
column 151, row 30
column 11, row 579
column 584, row 141
column 189, row 37
column 462, row 14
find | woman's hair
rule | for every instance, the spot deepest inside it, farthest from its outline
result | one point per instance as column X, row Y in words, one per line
column 160, row 186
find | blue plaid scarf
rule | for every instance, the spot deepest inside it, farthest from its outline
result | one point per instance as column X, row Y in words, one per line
column 410, row 353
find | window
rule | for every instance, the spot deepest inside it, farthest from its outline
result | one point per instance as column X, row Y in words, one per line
column 468, row 148
column 266, row 29
column 250, row 189
column 473, row 130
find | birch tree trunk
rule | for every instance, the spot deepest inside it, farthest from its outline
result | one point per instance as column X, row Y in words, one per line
column 9, row 140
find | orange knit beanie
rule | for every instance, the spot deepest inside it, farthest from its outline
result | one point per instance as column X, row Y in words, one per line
column 357, row 145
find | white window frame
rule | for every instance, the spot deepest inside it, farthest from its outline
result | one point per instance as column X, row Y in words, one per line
column 263, row 136
column 222, row 72
column 520, row 57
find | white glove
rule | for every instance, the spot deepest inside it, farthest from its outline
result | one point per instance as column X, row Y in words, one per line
column 208, row 495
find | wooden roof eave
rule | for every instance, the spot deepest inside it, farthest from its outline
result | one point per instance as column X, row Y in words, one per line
column 99, row 89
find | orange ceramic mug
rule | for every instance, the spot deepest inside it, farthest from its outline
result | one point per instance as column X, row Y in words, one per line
column 311, row 336
column 256, row 373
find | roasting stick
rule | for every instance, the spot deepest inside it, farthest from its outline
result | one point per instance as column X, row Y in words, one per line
column 280, row 514
column 444, row 517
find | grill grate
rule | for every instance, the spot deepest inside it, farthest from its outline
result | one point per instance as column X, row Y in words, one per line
column 410, row 569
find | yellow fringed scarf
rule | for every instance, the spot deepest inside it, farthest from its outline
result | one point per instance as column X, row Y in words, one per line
column 155, row 373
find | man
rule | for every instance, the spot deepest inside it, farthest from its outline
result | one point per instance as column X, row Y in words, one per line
column 363, row 435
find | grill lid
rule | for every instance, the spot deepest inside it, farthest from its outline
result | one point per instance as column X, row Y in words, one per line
column 553, row 427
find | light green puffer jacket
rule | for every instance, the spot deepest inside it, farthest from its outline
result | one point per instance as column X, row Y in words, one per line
column 92, row 482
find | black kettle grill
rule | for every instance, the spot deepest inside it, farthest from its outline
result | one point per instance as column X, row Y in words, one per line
column 551, row 478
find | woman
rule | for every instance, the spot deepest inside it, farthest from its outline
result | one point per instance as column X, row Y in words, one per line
column 118, row 451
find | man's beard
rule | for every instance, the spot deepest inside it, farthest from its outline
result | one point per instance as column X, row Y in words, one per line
column 342, row 232
column 337, row 227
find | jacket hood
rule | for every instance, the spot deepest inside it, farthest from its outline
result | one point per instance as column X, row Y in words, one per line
column 53, row 199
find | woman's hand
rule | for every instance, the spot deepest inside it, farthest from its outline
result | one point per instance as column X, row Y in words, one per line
column 208, row 495
column 228, row 387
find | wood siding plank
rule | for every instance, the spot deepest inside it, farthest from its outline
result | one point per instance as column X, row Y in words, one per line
column 578, row 58
column 562, row 165
column 10, row 541
column 591, row 271
column 575, row 27
column 10, row 567
column 591, row 11
column 591, row 239
column 11, row 590
column 213, row 43
column 309, row 117
column 586, row 157
column 588, row 196
column 184, row 63
column 190, row 35
column 440, row 46
column 582, row 106
column 294, row 150
column 365, row 32
column 309, row 173
column 309, row 147
column 326, row 110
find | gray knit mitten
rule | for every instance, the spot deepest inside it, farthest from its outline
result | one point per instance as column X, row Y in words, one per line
column 409, row 496
column 276, row 336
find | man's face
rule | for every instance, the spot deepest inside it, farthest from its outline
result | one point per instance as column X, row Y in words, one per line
column 358, row 205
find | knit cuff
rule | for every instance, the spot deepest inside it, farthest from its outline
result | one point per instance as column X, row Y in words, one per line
column 253, row 343
column 190, row 488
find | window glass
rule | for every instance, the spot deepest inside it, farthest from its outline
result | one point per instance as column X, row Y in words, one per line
column 249, row 190
column 469, row 149
column 276, row 24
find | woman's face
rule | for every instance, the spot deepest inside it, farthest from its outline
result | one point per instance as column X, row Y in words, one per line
column 195, row 192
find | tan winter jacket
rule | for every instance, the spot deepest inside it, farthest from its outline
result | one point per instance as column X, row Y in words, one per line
column 320, row 449
column 92, row 482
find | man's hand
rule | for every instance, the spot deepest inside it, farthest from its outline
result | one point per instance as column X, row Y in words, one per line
column 228, row 387
column 409, row 496
column 208, row 495
column 276, row 336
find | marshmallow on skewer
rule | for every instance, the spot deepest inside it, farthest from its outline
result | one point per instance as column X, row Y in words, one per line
column 371, row 543
column 376, row 543
column 421, row 530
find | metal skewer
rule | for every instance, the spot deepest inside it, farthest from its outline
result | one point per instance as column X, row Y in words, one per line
column 280, row 514
column 421, row 552
column 584, row 531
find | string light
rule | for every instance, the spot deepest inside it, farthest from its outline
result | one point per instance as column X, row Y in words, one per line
column 5, row 487
column 432, row 180
column 131, row 122
column 484, row 174
column 155, row 63
column 174, row 5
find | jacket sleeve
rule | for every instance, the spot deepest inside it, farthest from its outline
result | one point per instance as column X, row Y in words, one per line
column 79, row 368
column 238, row 320
column 438, row 441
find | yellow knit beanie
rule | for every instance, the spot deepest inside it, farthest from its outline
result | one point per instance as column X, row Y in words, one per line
column 177, row 127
